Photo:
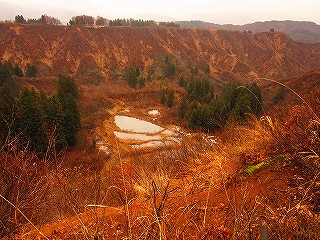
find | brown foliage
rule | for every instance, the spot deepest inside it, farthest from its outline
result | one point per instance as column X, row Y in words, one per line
column 24, row 185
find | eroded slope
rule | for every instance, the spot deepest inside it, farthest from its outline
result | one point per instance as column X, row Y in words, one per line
column 76, row 50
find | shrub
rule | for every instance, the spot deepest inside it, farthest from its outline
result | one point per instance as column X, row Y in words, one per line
column 31, row 70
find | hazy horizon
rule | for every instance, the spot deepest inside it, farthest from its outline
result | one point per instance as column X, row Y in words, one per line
column 236, row 12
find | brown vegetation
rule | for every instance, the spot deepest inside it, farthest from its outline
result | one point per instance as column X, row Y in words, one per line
column 200, row 190
column 95, row 52
column 262, row 175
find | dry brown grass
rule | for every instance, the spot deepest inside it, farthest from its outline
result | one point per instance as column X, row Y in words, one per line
column 197, row 190
column 23, row 187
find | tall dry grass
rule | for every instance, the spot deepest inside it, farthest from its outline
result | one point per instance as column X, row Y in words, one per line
column 194, row 191
column 23, row 188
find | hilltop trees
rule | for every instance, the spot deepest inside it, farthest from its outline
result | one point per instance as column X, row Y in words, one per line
column 19, row 19
column 88, row 20
column 169, row 24
column 124, row 22
column 142, row 23
column 118, row 22
column 132, row 22
column 44, row 19
column 101, row 21
column 82, row 20
column 50, row 20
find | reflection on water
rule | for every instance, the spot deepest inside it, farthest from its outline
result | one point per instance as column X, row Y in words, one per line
column 151, row 134
column 131, row 124
column 173, row 139
column 140, row 134
column 168, row 132
column 136, row 136
column 152, row 144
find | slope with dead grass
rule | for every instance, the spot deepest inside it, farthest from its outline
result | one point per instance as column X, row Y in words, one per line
column 202, row 190
column 99, row 52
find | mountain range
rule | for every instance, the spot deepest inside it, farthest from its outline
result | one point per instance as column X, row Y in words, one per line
column 301, row 31
column 79, row 50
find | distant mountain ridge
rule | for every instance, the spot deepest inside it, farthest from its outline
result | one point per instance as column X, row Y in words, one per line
column 86, row 51
column 301, row 31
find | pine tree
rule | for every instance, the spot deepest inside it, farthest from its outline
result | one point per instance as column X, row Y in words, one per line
column 54, row 120
column 170, row 98
column 141, row 81
column 183, row 108
column 216, row 109
column 19, row 19
column 132, row 76
column 196, row 118
column 170, row 69
column 67, row 93
column 163, row 98
column 279, row 96
column 67, row 84
column 228, row 99
column 8, row 93
column 182, row 82
column 17, row 70
column 31, row 70
column 255, row 98
column 30, row 119
column 71, row 123
column 7, row 111
column 241, row 108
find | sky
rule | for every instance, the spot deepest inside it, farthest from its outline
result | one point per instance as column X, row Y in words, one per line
column 216, row 11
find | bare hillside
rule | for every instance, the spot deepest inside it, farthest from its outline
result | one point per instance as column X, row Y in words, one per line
column 79, row 50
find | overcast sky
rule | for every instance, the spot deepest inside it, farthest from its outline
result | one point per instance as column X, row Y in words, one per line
column 216, row 11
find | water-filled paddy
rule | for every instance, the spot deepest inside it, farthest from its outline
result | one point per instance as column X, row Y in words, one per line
column 136, row 125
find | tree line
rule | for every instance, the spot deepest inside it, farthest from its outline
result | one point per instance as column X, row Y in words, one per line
column 42, row 122
column 92, row 21
column 208, row 111
column 132, row 22
column 141, row 23
column 88, row 20
column 44, row 19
